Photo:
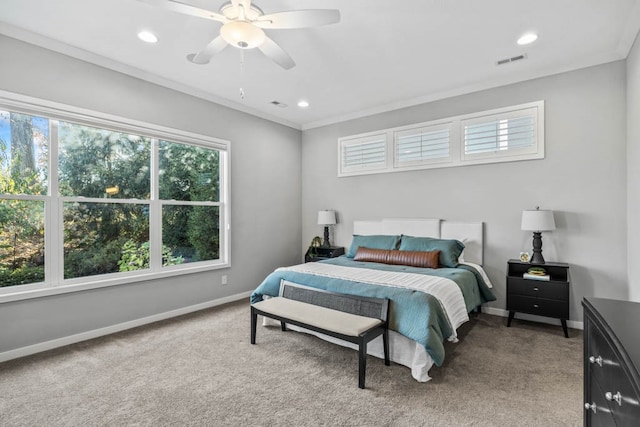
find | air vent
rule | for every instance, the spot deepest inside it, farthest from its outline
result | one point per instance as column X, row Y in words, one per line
column 279, row 104
column 512, row 59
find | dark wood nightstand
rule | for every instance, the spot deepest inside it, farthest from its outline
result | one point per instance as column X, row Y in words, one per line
column 543, row 298
column 323, row 252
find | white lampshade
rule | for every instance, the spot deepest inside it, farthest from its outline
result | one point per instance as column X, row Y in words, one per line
column 326, row 217
column 242, row 34
column 537, row 220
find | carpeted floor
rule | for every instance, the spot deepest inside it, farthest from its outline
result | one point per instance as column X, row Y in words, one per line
column 200, row 369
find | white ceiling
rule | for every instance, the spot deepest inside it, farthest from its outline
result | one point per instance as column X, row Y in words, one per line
column 382, row 55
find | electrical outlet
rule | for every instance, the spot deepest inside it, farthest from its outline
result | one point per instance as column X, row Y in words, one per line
column 223, row 280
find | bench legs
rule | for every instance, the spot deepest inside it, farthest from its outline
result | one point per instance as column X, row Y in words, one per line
column 362, row 362
column 254, row 320
column 385, row 344
column 362, row 356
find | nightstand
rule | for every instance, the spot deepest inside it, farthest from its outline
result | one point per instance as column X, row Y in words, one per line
column 323, row 252
column 543, row 298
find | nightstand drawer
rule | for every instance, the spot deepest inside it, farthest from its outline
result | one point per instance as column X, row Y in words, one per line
column 538, row 306
column 539, row 288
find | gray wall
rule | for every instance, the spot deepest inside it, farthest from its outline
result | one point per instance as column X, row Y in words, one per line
column 265, row 200
column 633, row 169
column 582, row 178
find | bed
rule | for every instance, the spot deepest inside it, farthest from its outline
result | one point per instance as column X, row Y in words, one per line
column 427, row 305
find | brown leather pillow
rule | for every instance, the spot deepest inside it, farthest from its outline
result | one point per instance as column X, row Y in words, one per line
column 395, row 257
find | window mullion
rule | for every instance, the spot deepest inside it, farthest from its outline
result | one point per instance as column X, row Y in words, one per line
column 53, row 232
column 155, row 211
column 224, row 219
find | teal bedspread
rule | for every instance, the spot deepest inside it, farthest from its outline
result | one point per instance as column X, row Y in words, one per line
column 414, row 314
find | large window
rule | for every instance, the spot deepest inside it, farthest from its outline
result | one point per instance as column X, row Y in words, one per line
column 93, row 200
column 501, row 135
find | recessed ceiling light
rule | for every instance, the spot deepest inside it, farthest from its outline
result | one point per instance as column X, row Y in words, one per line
column 527, row 38
column 147, row 36
column 303, row 104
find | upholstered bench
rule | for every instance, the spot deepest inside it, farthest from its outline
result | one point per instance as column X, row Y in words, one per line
column 348, row 317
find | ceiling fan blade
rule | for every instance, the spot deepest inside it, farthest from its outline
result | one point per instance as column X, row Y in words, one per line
column 186, row 9
column 276, row 54
column 298, row 19
column 214, row 47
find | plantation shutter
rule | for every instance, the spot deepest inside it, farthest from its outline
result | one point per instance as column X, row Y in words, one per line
column 364, row 153
column 422, row 145
column 501, row 134
column 505, row 134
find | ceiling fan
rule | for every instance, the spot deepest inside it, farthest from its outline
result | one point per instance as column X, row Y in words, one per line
column 244, row 24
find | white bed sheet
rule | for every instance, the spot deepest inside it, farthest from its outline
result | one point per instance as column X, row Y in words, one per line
column 402, row 350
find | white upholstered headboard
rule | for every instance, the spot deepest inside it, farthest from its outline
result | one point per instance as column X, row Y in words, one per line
column 469, row 233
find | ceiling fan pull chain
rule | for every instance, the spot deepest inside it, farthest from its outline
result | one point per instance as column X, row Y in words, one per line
column 241, row 73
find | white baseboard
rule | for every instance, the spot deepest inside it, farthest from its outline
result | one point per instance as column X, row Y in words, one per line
column 549, row 320
column 72, row 339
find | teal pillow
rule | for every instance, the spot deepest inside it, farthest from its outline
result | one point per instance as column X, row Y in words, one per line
column 372, row 242
column 450, row 250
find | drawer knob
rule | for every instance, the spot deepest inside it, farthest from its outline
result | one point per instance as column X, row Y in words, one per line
column 536, row 289
column 591, row 406
column 617, row 397
column 597, row 360
column 535, row 306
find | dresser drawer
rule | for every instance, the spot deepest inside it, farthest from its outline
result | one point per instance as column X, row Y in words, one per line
column 539, row 288
column 603, row 364
column 609, row 374
column 627, row 413
column 616, row 391
column 538, row 306
column 602, row 416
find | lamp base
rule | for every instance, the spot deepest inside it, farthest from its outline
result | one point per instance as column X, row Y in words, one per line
column 325, row 243
column 537, row 257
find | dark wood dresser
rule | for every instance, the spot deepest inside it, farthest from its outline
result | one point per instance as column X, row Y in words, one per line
column 611, row 362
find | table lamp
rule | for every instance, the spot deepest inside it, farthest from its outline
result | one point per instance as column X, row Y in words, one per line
column 326, row 218
column 537, row 221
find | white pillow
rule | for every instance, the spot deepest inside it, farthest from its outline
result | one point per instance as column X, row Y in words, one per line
column 461, row 257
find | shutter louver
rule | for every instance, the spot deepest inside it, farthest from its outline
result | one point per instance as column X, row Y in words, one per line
column 420, row 145
column 371, row 153
column 495, row 135
column 363, row 154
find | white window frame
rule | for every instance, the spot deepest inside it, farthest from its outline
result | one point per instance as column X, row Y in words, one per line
column 457, row 156
column 54, row 265
column 535, row 151
column 362, row 139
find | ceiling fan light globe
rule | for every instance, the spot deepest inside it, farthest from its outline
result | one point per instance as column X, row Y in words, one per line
column 242, row 34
